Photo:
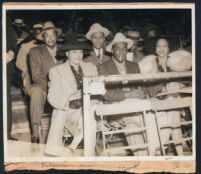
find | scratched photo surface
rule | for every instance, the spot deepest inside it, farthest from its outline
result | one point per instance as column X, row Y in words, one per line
column 99, row 83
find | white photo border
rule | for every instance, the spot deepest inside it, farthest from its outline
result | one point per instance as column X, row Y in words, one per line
column 99, row 6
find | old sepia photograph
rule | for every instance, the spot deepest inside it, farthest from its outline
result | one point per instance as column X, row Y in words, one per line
column 98, row 82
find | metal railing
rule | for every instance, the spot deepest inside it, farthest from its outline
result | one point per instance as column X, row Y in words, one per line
column 96, row 86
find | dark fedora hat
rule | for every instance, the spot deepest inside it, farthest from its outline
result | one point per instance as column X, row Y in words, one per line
column 75, row 45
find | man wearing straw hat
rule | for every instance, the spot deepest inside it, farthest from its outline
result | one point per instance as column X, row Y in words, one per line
column 119, row 65
column 42, row 58
column 97, row 35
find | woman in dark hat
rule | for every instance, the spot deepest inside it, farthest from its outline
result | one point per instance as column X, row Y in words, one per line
column 65, row 95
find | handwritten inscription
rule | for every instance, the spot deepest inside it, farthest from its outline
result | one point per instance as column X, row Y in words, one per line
column 67, row 165
column 175, row 164
column 136, row 165
column 168, row 158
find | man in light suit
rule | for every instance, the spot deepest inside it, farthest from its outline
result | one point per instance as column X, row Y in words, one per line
column 65, row 89
column 42, row 58
column 97, row 35
column 121, row 93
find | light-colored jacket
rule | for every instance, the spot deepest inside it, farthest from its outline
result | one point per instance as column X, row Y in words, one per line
column 63, row 84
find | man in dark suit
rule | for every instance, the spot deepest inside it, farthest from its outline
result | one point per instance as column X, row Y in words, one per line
column 42, row 59
column 97, row 35
column 121, row 93
column 11, row 49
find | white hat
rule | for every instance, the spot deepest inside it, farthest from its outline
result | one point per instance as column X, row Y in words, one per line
column 19, row 23
column 97, row 28
column 179, row 60
column 36, row 26
column 148, row 64
column 118, row 38
column 134, row 35
column 47, row 26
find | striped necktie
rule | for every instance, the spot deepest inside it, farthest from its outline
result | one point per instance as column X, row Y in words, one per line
column 100, row 60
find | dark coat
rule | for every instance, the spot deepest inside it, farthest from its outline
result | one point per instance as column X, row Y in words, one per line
column 11, row 44
column 41, row 62
column 93, row 58
column 115, row 93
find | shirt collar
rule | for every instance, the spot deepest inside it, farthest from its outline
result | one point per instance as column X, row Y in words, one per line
column 120, row 66
column 52, row 51
column 97, row 51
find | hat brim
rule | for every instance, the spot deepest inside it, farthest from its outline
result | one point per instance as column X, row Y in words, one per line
column 136, row 39
column 40, row 36
column 102, row 30
column 19, row 25
column 128, row 41
column 186, row 90
column 75, row 46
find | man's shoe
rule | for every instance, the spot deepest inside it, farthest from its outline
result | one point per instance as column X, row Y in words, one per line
column 11, row 138
column 35, row 140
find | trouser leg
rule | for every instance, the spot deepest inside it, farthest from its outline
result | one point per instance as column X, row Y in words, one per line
column 78, row 135
column 135, row 138
column 152, row 133
column 9, row 106
column 176, row 132
column 54, row 145
column 165, row 132
column 38, row 98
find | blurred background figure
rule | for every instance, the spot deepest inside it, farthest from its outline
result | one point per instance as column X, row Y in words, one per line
column 124, row 30
column 19, row 27
column 135, row 53
column 150, row 33
column 75, row 28
column 22, row 61
column 11, row 49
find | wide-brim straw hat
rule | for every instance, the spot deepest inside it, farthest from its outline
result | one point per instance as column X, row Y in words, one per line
column 47, row 26
column 75, row 45
column 119, row 38
column 37, row 26
column 179, row 60
column 148, row 64
column 134, row 35
column 97, row 28
column 19, row 23
column 184, row 90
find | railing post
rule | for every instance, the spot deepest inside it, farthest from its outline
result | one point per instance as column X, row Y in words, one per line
column 86, row 102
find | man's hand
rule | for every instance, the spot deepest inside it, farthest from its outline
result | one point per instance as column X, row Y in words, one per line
column 26, row 82
column 76, row 95
column 138, row 93
column 9, row 56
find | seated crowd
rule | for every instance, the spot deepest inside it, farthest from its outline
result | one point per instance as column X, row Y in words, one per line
column 59, row 81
